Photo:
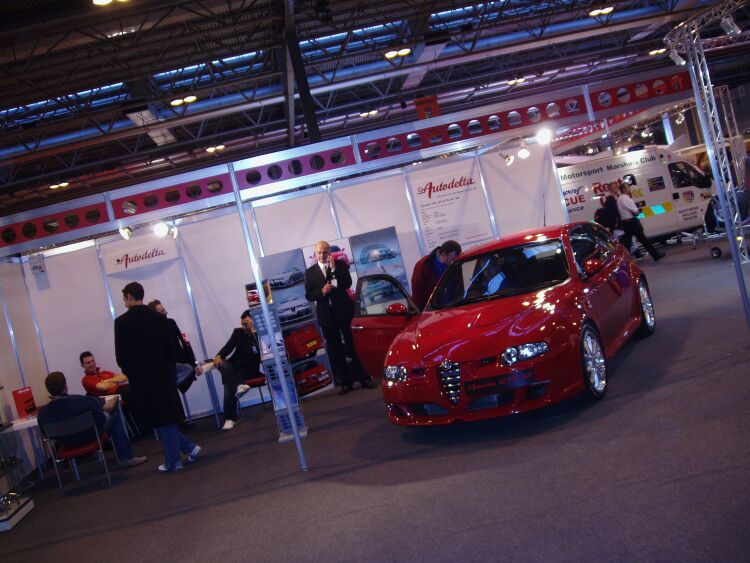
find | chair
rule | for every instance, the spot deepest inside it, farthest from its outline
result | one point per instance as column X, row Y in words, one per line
column 70, row 427
column 254, row 383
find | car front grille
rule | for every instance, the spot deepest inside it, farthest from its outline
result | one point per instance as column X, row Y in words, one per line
column 449, row 374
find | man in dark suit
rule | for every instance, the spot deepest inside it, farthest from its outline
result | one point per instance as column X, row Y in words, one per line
column 145, row 352
column 187, row 371
column 238, row 361
column 326, row 283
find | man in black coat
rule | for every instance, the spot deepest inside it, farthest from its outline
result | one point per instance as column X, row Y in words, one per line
column 326, row 283
column 146, row 355
column 238, row 361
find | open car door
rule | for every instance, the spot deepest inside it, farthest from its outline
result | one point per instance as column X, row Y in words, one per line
column 382, row 308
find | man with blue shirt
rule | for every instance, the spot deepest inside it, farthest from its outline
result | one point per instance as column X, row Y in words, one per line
column 428, row 270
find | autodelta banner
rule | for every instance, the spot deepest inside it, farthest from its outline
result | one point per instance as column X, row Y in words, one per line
column 125, row 259
column 450, row 203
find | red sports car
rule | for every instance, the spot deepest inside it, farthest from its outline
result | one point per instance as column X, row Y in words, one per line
column 310, row 376
column 513, row 325
column 302, row 342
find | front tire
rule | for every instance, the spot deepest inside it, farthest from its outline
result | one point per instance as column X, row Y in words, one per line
column 593, row 363
column 648, row 317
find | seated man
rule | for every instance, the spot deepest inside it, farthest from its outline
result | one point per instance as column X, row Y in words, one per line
column 238, row 361
column 105, row 413
column 187, row 371
column 98, row 382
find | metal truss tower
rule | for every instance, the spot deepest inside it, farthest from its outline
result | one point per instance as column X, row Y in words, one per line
column 685, row 39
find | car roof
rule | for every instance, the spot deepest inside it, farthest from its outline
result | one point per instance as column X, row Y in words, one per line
column 523, row 237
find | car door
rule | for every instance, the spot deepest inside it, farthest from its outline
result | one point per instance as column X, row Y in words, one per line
column 382, row 308
column 606, row 289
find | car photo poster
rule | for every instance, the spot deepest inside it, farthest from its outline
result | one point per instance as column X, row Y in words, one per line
column 450, row 203
column 378, row 252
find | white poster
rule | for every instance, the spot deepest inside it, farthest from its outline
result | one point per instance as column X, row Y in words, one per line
column 450, row 203
column 121, row 261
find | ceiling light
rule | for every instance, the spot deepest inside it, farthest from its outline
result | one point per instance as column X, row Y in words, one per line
column 391, row 55
column 607, row 10
column 509, row 158
column 654, row 52
column 54, row 186
column 210, row 149
column 594, row 13
column 645, row 133
column 523, row 152
column 372, row 112
column 543, row 136
column 676, row 58
column 730, row 27
column 125, row 232
column 220, row 147
column 590, row 150
column 680, row 118
column 173, row 232
column 160, row 229
column 176, row 102
column 404, row 52
column 189, row 99
column 101, row 2
column 364, row 114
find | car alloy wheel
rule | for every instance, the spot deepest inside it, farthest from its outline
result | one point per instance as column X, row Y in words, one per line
column 594, row 363
column 648, row 318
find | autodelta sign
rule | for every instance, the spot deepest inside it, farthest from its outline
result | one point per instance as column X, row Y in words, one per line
column 132, row 258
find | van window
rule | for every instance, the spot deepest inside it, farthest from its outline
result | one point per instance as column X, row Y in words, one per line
column 698, row 178
column 680, row 176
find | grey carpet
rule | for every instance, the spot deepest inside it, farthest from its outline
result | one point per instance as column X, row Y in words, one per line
column 657, row 471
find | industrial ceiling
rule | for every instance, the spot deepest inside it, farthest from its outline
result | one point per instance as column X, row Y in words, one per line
column 89, row 92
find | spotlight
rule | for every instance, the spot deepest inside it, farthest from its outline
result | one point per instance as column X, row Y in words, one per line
column 125, row 232
column 173, row 232
column 676, row 58
column 730, row 27
column 590, row 150
column 680, row 118
column 509, row 158
column 543, row 136
column 523, row 152
column 161, row 229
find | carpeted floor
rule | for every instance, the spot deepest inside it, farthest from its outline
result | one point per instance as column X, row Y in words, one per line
column 656, row 471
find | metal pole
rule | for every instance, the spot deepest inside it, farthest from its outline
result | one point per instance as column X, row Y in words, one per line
column 266, row 313
column 13, row 344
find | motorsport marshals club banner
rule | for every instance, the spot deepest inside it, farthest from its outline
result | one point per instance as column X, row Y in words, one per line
column 450, row 203
column 126, row 259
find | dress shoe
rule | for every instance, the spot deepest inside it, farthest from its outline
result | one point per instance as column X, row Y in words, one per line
column 228, row 425
column 658, row 256
column 345, row 389
column 367, row 384
column 133, row 461
column 241, row 390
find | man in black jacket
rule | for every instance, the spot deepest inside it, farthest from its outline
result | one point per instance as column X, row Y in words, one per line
column 326, row 283
column 145, row 352
column 238, row 361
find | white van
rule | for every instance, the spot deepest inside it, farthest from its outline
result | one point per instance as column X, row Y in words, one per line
column 672, row 193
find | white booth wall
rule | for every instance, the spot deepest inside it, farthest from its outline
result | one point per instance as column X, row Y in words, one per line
column 71, row 303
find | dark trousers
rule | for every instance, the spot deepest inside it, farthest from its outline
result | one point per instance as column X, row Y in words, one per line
column 230, row 379
column 633, row 228
column 340, row 346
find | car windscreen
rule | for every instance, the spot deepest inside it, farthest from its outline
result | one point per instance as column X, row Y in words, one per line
column 503, row 272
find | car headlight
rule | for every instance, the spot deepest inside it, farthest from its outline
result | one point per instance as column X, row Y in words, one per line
column 523, row 352
column 395, row 373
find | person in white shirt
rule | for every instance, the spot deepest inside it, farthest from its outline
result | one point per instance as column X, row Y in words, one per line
column 631, row 224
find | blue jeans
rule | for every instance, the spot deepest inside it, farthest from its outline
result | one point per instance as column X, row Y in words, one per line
column 120, row 439
column 173, row 441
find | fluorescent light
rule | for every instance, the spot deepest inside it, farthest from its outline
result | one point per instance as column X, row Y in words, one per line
column 404, row 52
column 101, row 2
column 160, row 229
column 176, row 102
column 54, row 186
column 391, row 55
column 210, row 149
column 607, row 10
column 220, row 147
column 364, row 114
column 189, row 99
column 654, row 52
column 372, row 112
column 543, row 136
column 125, row 232
column 64, row 184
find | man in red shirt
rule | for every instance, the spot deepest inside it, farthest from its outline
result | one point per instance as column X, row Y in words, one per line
column 98, row 382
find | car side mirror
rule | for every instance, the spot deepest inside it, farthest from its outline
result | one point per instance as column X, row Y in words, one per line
column 592, row 266
column 396, row 309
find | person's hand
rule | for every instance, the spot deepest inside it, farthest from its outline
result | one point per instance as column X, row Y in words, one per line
column 217, row 361
column 331, row 262
column 327, row 288
column 198, row 370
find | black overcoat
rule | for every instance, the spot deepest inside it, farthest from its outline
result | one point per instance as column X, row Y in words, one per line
column 145, row 352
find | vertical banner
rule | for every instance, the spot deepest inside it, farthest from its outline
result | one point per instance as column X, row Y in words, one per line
column 450, row 203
